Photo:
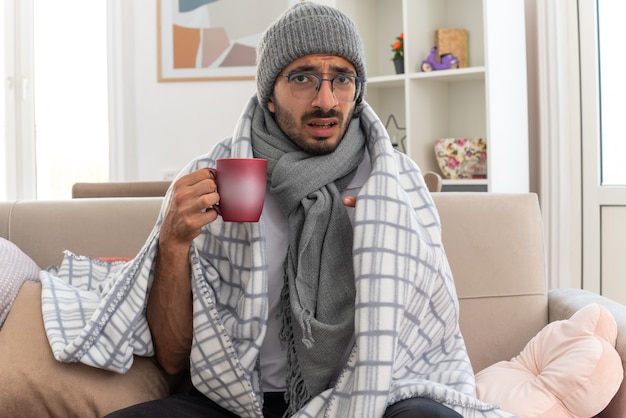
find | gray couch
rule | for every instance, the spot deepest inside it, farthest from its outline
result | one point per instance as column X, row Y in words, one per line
column 493, row 241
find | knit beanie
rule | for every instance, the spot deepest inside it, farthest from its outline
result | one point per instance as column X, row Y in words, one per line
column 306, row 28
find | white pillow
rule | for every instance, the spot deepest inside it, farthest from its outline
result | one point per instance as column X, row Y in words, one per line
column 15, row 268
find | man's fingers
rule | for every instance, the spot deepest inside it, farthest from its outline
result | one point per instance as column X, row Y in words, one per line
column 349, row 201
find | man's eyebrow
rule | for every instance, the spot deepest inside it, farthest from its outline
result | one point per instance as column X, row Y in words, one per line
column 341, row 70
column 305, row 68
column 311, row 68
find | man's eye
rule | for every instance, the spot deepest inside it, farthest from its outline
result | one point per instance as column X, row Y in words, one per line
column 343, row 79
column 300, row 78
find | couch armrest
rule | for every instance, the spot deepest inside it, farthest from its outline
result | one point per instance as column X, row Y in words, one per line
column 562, row 303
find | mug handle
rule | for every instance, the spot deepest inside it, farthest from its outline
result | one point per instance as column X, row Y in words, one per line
column 217, row 206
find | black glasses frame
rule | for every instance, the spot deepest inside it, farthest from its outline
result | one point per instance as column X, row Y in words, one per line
column 358, row 82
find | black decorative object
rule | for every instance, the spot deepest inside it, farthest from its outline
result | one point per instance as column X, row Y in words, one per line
column 399, row 65
column 397, row 134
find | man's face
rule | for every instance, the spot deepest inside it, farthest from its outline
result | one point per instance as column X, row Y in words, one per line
column 315, row 125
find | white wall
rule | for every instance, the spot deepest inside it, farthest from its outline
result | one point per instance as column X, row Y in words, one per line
column 167, row 124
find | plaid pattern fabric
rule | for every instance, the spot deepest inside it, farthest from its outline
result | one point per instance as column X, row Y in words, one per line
column 407, row 339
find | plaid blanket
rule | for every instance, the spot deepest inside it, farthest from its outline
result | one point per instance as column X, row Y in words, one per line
column 407, row 339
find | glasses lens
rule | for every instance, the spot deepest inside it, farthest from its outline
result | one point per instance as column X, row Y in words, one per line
column 303, row 85
column 345, row 87
column 306, row 86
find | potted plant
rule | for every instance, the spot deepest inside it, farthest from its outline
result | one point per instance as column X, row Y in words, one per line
column 397, row 47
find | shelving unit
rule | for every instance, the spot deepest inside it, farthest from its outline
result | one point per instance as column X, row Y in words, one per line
column 487, row 99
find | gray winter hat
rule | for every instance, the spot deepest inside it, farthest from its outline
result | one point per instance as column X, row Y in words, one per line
column 306, row 28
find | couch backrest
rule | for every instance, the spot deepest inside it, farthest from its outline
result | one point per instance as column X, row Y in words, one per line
column 493, row 241
column 494, row 244
column 113, row 227
column 120, row 189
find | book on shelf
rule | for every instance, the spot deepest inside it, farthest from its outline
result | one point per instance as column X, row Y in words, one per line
column 452, row 41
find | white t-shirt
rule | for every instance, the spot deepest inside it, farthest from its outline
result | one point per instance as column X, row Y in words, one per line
column 272, row 356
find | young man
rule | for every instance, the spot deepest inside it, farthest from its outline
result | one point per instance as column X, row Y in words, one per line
column 340, row 301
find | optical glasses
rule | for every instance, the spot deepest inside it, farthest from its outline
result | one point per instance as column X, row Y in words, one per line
column 303, row 85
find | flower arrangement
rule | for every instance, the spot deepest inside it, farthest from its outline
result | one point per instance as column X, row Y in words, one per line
column 397, row 47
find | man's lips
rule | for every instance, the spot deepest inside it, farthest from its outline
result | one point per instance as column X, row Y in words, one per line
column 323, row 123
column 323, row 128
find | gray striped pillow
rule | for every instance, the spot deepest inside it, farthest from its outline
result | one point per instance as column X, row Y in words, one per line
column 15, row 268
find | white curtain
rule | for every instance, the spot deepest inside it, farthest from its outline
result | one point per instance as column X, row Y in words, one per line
column 558, row 98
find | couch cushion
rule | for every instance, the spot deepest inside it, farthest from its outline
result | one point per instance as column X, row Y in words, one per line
column 495, row 248
column 33, row 383
column 569, row 369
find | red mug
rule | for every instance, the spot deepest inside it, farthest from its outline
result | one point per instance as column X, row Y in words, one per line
column 241, row 185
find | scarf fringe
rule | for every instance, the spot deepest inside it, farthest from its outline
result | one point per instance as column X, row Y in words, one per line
column 297, row 394
column 305, row 324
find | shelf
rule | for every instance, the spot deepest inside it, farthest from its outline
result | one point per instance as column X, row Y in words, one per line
column 448, row 76
column 396, row 80
column 457, row 74
column 463, row 182
column 487, row 99
column 465, row 185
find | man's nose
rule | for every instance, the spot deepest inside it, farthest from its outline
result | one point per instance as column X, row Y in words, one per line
column 325, row 98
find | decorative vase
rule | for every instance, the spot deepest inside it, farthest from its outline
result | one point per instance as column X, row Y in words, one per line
column 462, row 158
column 399, row 64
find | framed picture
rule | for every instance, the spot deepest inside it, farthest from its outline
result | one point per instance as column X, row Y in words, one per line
column 212, row 39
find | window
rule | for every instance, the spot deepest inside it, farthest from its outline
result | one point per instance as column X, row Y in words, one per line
column 3, row 127
column 61, row 61
column 612, row 60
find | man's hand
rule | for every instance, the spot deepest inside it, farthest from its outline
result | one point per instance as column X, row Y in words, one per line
column 169, row 312
column 187, row 211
